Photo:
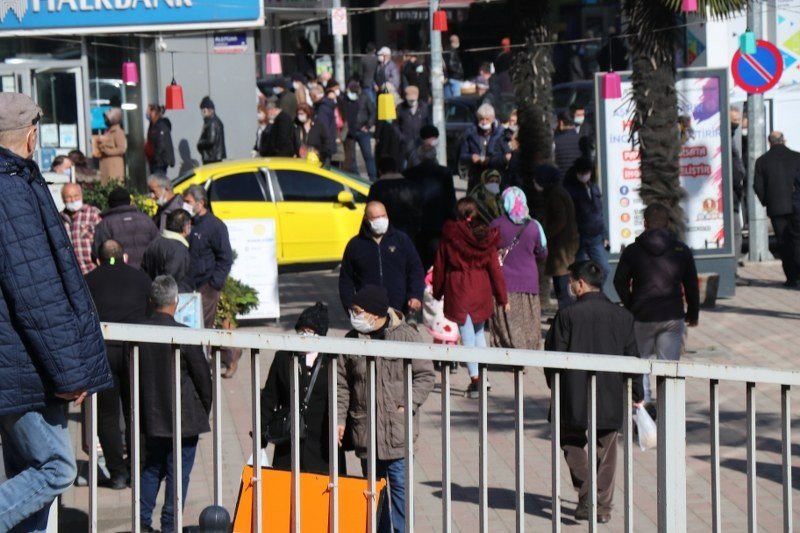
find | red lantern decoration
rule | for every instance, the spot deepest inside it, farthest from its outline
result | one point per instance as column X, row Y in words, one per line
column 174, row 98
column 130, row 73
column 439, row 20
column 689, row 6
column 612, row 86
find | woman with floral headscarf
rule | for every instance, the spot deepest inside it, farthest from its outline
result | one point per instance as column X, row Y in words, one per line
column 522, row 245
column 487, row 194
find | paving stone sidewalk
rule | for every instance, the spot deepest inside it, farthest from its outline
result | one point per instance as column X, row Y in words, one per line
column 758, row 327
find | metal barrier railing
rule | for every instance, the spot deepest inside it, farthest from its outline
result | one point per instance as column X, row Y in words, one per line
column 671, row 450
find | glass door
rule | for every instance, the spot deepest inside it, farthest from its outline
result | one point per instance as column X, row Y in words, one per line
column 57, row 87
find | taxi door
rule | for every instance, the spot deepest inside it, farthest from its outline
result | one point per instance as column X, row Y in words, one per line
column 314, row 225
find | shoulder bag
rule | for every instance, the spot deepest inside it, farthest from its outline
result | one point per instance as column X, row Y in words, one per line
column 279, row 429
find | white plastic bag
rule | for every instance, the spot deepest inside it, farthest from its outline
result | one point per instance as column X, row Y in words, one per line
column 648, row 435
column 264, row 459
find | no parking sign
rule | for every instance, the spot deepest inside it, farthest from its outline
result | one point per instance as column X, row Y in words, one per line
column 759, row 72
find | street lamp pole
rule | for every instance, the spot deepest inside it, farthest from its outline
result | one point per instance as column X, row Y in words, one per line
column 437, row 85
column 758, row 237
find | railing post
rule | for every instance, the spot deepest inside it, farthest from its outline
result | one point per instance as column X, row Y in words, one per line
column 446, row 468
column 93, row 460
column 408, row 392
column 333, row 445
column 519, row 447
column 177, row 440
column 555, row 448
column 136, row 441
column 217, row 436
column 671, row 454
column 628, row 450
column 591, row 419
column 716, row 511
column 786, row 454
column 372, row 459
column 294, row 406
column 483, row 448
column 752, row 497
column 255, row 402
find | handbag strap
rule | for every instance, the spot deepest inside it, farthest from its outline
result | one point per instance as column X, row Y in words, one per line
column 314, row 374
column 517, row 237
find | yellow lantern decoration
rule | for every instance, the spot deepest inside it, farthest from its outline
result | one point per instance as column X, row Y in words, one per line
column 386, row 108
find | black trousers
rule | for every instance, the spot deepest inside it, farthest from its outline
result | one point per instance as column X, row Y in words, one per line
column 108, row 413
column 786, row 246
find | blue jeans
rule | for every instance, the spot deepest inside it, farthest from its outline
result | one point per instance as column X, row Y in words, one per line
column 157, row 466
column 370, row 92
column 363, row 138
column 472, row 335
column 395, row 472
column 594, row 248
column 39, row 463
column 452, row 88
column 561, row 288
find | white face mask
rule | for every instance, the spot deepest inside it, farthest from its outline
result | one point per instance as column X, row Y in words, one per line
column 493, row 188
column 307, row 334
column 411, row 102
column 301, row 118
column 578, row 120
column 513, row 127
column 337, row 92
column 161, row 200
column 189, row 208
column 485, row 126
column 379, row 225
column 361, row 323
column 584, row 178
column 435, row 142
column 75, row 206
column 277, row 90
column 352, row 96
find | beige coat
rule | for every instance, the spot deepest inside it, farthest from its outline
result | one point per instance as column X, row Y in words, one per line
column 390, row 418
column 112, row 146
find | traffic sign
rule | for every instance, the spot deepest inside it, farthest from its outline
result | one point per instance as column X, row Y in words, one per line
column 759, row 72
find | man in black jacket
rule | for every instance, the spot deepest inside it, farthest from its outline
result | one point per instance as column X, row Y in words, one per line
column 359, row 115
column 437, row 200
column 212, row 258
column 156, row 385
column 127, row 225
column 774, row 184
column 212, row 138
column 120, row 294
column 593, row 324
column 412, row 115
column 380, row 255
column 280, row 138
column 567, row 142
column 399, row 196
column 654, row 275
column 161, row 191
column 169, row 253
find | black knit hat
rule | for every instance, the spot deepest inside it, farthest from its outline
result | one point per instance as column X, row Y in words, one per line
column 119, row 196
column 206, row 103
column 373, row 299
column 428, row 131
column 315, row 318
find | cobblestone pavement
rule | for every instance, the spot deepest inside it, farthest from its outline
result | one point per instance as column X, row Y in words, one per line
column 755, row 328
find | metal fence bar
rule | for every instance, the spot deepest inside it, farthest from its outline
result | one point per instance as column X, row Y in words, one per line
column 177, row 438
column 483, row 459
column 628, row 453
column 591, row 419
column 786, row 455
column 372, row 525
column 752, row 499
column 519, row 447
column 555, row 448
column 136, row 442
column 217, row 435
column 671, row 454
column 446, row 464
column 93, row 461
column 294, row 406
column 716, row 501
column 333, row 442
column 408, row 413
column 255, row 402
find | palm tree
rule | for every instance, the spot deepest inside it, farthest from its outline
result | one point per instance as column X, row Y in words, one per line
column 653, row 36
column 532, row 75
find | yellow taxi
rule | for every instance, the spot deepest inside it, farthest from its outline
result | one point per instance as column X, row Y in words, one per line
column 317, row 209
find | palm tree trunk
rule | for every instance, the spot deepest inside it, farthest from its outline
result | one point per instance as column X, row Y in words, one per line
column 653, row 42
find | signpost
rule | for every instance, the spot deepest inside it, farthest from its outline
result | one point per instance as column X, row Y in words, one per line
column 759, row 72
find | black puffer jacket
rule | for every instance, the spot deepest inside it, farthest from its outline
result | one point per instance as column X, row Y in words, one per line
column 128, row 226
column 210, row 250
column 212, row 140
column 169, row 255
column 160, row 153
column 588, row 205
column 653, row 276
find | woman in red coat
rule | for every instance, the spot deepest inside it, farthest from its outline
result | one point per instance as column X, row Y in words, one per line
column 467, row 273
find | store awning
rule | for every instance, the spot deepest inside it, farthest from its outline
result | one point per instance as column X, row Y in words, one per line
column 423, row 4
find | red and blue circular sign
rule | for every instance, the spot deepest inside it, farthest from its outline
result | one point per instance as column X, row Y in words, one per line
column 759, row 72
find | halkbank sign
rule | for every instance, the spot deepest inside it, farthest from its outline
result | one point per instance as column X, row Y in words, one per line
column 31, row 17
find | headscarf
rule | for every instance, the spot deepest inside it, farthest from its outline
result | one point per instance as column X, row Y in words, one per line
column 488, row 204
column 516, row 205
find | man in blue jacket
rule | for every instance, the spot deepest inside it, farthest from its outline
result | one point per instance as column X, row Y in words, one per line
column 51, row 345
column 380, row 255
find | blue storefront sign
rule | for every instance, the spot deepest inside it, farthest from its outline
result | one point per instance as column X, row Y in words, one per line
column 23, row 17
